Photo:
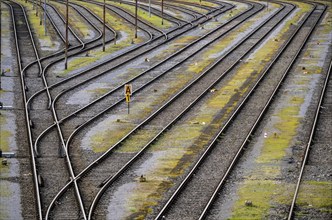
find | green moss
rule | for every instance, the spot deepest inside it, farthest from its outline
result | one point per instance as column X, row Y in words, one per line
column 185, row 39
column 316, row 195
column 140, row 139
column 4, row 134
column 259, row 192
column 142, row 200
column 274, row 147
column 99, row 91
column 75, row 63
column 107, row 138
column 35, row 24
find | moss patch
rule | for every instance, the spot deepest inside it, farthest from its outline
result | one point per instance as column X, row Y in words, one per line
column 4, row 135
column 260, row 186
column 268, row 167
column 257, row 191
column 316, row 195
column 34, row 22
column 105, row 139
column 142, row 200
column 4, row 193
column 184, row 141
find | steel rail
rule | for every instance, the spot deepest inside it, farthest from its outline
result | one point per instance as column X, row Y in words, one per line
column 143, row 73
column 109, row 7
column 91, row 103
column 236, row 157
column 151, row 81
column 184, row 10
column 78, row 176
column 99, row 75
column 209, row 148
column 69, row 27
column 129, row 51
column 62, row 51
column 307, row 148
column 67, row 158
column 70, row 169
column 27, row 118
column 111, row 179
column 310, row 140
column 168, row 17
column 62, row 19
column 50, row 56
column 59, row 59
column 69, row 164
column 158, row 64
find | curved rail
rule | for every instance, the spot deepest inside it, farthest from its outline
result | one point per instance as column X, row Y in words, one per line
column 64, row 91
column 78, row 176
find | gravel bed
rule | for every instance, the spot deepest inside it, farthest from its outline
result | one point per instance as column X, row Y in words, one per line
column 80, row 96
column 172, row 19
column 177, row 11
column 168, row 115
column 17, row 181
column 318, row 167
column 59, row 21
column 289, row 164
column 116, row 62
column 193, row 199
column 112, row 206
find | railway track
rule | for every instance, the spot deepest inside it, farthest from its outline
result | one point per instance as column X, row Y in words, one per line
column 70, row 88
column 158, row 13
column 19, row 28
column 216, row 193
column 61, row 192
column 319, row 115
column 54, row 115
column 56, row 133
column 110, row 180
column 37, row 94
